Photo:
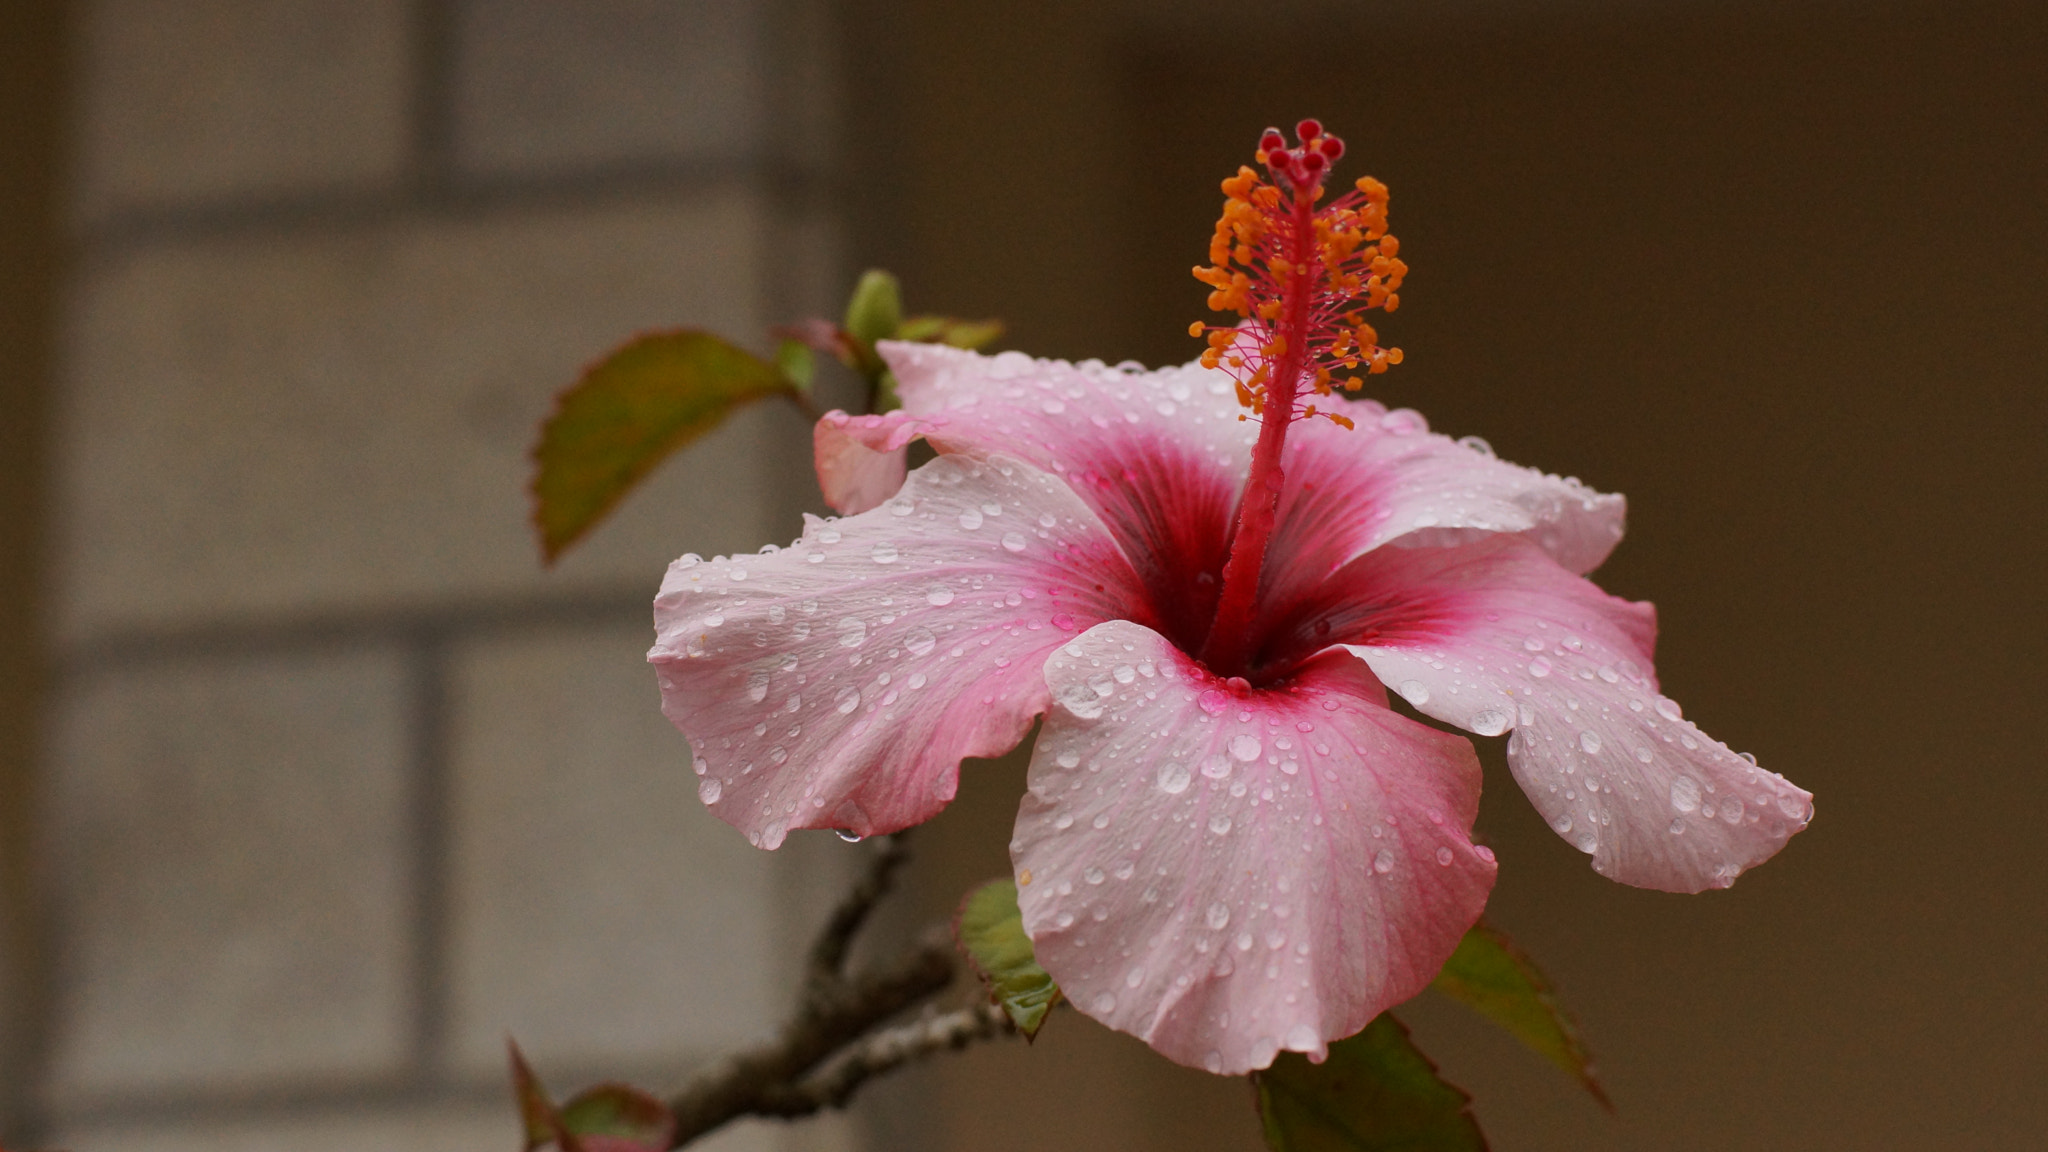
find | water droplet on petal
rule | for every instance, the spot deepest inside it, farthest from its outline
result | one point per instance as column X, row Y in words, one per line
column 1302, row 1038
column 1013, row 541
column 1685, row 793
column 853, row 631
column 1414, row 692
column 920, row 641
column 970, row 519
column 1219, row 824
column 939, row 596
column 1489, row 722
column 1539, row 667
column 1590, row 741
column 1668, row 708
column 884, row 553
column 1213, row 701
column 1443, row 857
column 1219, row 916
column 1383, row 861
column 1103, row 1003
column 709, row 790
column 1068, row 759
column 1245, row 747
column 1215, row 767
column 1174, row 779
column 757, row 686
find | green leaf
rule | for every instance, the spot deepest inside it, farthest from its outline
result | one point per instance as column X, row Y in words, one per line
column 618, row 1118
column 798, row 366
column 968, row 334
column 1375, row 1093
column 991, row 932
column 1500, row 982
column 875, row 311
column 536, row 1111
column 628, row 413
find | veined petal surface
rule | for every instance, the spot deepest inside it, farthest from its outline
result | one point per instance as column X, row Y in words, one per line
column 1495, row 636
column 837, row 683
column 1160, row 455
column 1350, row 490
column 860, row 459
column 1226, row 872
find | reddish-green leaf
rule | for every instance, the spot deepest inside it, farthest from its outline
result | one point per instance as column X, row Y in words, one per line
column 1500, row 982
column 1375, row 1093
column 627, row 414
column 618, row 1118
column 606, row 1118
column 990, row 931
column 537, row 1113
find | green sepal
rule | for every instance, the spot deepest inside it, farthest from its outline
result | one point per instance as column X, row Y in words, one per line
column 1498, row 980
column 875, row 310
column 1375, row 1093
column 969, row 334
column 798, row 365
column 990, row 931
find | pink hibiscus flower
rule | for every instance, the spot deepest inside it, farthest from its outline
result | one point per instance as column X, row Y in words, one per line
column 1231, row 844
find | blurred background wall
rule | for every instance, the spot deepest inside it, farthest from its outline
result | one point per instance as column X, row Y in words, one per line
column 337, row 786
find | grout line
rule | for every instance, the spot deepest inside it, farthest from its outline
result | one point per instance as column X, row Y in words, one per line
column 127, row 649
column 435, row 35
column 430, row 822
column 453, row 197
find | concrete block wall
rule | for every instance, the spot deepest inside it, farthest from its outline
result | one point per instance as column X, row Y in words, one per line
column 343, row 786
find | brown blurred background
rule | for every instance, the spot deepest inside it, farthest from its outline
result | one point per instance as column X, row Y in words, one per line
column 1775, row 271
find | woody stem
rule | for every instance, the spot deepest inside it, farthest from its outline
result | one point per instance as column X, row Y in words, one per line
column 1229, row 640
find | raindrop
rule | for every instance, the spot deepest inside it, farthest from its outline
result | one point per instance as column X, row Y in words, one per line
column 1490, row 722
column 757, row 686
column 1383, row 861
column 1219, row 916
column 1093, row 876
column 970, row 519
column 1443, row 857
column 920, row 641
column 1103, row 1003
column 709, row 790
column 1213, row 701
column 939, row 596
column 1590, row 741
column 1013, row 541
column 1563, row 823
column 1414, row 692
column 847, row 700
column 1174, row 779
column 1068, row 759
column 1215, row 767
column 849, row 836
column 853, row 632
column 1245, row 747
column 1081, row 700
column 1668, row 708
column 1219, row 824
column 885, row 553
column 902, row 506
column 1685, row 793
column 1539, row 667
column 1124, row 673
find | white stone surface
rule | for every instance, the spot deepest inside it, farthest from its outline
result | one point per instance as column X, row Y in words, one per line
column 189, row 101
column 340, row 420
column 600, row 913
column 230, row 860
column 542, row 85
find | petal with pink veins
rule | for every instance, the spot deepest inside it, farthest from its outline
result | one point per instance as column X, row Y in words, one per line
column 837, row 683
column 1159, row 455
column 1495, row 636
column 1348, row 491
column 1226, row 872
column 860, row 458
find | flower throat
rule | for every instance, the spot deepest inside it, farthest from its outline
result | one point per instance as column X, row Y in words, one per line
column 1300, row 278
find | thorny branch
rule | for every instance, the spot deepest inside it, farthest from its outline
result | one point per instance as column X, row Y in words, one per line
column 837, row 1038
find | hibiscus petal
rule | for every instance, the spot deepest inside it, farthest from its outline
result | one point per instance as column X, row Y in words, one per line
column 1227, row 872
column 838, row 682
column 1159, row 455
column 860, row 458
column 1348, row 491
column 1496, row 636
